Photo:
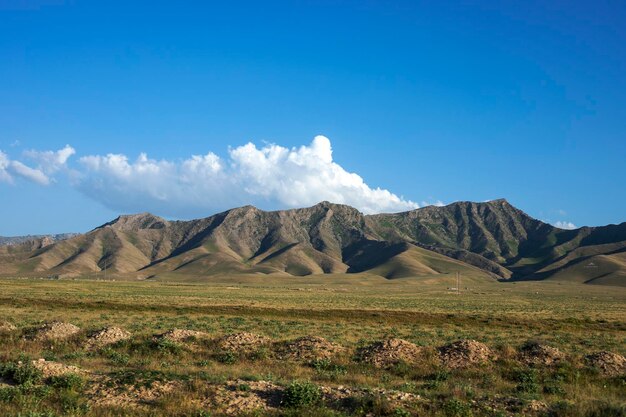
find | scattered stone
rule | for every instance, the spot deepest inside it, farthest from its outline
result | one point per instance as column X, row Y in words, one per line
column 107, row 336
column 6, row 327
column 537, row 354
column 464, row 353
column 389, row 352
column 49, row 368
column 182, row 335
column 609, row 363
column 56, row 330
column 309, row 348
column 242, row 342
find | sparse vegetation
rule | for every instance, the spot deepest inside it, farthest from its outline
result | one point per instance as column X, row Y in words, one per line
column 290, row 348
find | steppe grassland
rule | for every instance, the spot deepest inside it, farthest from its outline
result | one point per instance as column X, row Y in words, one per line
column 348, row 310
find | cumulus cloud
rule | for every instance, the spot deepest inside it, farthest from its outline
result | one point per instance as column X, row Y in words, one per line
column 50, row 162
column 271, row 177
column 9, row 169
column 31, row 174
column 565, row 225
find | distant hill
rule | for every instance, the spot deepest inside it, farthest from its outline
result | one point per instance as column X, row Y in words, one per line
column 14, row 240
column 484, row 241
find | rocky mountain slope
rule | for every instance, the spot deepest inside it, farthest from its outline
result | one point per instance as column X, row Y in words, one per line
column 481, row 240
column 14, row 240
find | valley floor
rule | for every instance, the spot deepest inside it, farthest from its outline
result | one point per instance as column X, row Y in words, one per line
column 324, row 345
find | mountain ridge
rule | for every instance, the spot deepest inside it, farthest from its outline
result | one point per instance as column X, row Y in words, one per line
column 489, row 240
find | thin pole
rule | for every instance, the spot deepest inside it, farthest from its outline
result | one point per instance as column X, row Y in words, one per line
column 458, row 282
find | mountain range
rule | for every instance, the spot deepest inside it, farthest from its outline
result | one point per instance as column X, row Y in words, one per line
column 485, row 241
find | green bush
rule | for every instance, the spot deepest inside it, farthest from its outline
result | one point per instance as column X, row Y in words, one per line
column 227, row 358
column 436, row 379
column 325, row 367
column 301, row 394
column 457, row 408
column 21, row 373
column 68, row 381
column 400, row 412
column 526, row 381
column 168, row 347
column 8, row 394
column 116, row 357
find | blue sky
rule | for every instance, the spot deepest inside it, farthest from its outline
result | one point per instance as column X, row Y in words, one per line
column 424, row 102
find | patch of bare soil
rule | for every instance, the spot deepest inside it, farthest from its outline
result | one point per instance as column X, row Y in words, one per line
column 182, row 335
column 609, row 363
column 103, row 392
column 465, row 353
column 389, row 352
column 107, row 336
column 50, row 368
column 309, row 348
column 237, row 397
column 243, row 342
column 538, row 354
column 56, row 330
column 6, row 327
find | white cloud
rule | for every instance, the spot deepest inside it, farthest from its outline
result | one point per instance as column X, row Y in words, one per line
column 270, row 177
column 565, row 225
column 31, row 174
column 10, row 169
column 4, row 165
column 436, row 203
column 51, row 161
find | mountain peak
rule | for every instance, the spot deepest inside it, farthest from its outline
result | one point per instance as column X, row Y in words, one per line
column 137, row 222
column 499, row 201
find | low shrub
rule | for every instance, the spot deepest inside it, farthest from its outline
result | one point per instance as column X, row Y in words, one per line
column 301, row 394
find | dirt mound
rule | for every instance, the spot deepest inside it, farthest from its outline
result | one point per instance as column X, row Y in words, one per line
column 5, row 326
column 242, row 342
column 107, row 336
column 104, row 392
column 609, row 363
column 182, row 335
column 50, row 368
column 309, row 348
column 389, row 352
column 537, row 354
column 237, row 397
column 56, row 330
column 464, row 353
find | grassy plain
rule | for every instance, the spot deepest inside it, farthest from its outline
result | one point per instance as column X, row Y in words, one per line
column 350, row 310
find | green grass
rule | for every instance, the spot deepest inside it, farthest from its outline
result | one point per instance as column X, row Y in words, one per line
column 351, row 310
